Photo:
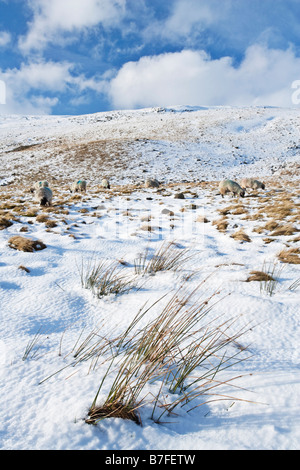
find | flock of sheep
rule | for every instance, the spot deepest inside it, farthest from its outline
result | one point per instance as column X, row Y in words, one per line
column 229, row 186
column 43, row 194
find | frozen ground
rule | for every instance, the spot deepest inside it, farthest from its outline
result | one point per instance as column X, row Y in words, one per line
column 46, row 313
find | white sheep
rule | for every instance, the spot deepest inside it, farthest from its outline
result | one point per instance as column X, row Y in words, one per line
column 251, row 184
column 78, row 186
column 39, row 184
column 229, row 186
column 105, row 184
column 43, row 196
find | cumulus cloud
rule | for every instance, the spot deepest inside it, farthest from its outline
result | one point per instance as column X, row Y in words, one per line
column 220, row 26
column 264, row 77
column 36, row 88
column 186, row 15
column 5, row 38
column 52, row 20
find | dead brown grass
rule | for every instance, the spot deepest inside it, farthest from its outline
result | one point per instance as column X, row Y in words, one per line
column 271, row 225
column 221, row 224
column 259, row 276
column 8, row 206
column 113, row 410
column 284, row 230
column 202, row 219
column 241, row 236
column 42, row 218
column 240, row 210
column 268, row 240
column 280, row 211
column 146, row 228
column 5, row 223
column 25, row 244
column 289, row 255
column 50, row 223
column 23, row 268
column 30, row 213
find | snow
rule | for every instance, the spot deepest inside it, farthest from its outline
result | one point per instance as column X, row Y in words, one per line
column 45, row 396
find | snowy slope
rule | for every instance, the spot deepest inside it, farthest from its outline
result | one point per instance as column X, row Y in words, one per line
column 46, row 313
column 170, row 144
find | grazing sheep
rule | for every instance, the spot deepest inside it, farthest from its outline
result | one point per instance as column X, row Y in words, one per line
column 78, row 186
column 229, row 186
column 251, row 183
column 43, row 196
column 105, row 184
column 39, row 184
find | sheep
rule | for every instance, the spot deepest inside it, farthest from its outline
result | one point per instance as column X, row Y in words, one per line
column 78, row 186
column 39, row 184
column 105, row 184
column 251, row 183
column 232, row 187
column 43, row 196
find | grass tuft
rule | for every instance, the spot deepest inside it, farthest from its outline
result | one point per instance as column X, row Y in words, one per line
column 103, row 278
column 241, row 236
column 290, row 256
column 167, row 257
column 268, row 277
column 284, row 230
column 5, row 223
column 179, row 349
column 25, row 244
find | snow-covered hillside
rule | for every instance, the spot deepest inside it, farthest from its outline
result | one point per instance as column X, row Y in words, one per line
column 58, row 337
column 171, row 144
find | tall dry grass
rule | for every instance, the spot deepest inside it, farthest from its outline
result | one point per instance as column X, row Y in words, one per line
column 171, row 361
column 104, row 278
column 168, row 256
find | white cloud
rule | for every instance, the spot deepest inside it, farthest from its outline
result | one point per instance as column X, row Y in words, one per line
column 223, row 25
column 35, row 88
column 52, row 19
column 189, row 13
column 191, row 77
column 5, row 38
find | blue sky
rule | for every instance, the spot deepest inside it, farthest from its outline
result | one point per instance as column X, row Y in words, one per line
column 86, row 56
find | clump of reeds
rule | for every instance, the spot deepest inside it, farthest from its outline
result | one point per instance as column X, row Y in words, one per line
column 25, row 244
column 114, row 410
column 5, row 223
column 268, row 277
column 259, row 276
column 284, row 230
column 50, row 223
column 179, row 351
column 42, row 218
column 271, row 225
column 241, row 236
column 104, row 278
column 221, row 224
column 235, row 209
column 280, row 211
column 167, row 257
column 290, row 255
